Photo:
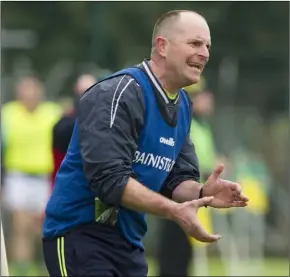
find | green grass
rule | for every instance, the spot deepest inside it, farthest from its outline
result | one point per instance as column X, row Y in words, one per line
column 270, row 267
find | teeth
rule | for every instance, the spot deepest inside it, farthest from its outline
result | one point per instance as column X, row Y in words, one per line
column 195, row 65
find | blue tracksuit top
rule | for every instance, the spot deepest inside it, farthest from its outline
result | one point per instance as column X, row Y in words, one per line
column 72, row 203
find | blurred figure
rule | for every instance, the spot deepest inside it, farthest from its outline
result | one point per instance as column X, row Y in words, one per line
column 26, row 140
column 175, row 250
column 202, row 137
column 249, row 226
column 63, row 129
column 201, row 133
column 2, row 165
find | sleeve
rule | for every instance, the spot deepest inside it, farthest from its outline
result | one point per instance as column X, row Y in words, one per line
column 110, row 116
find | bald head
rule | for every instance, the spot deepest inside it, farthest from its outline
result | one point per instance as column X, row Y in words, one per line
column 180, row 48
column 83, row 83
column 167, row 25
column 30, row 92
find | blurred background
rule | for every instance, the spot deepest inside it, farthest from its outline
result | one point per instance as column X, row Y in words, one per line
column 241, row 119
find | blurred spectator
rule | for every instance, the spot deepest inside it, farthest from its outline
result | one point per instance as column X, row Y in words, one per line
column 249, row 226
column 2, row 165
column 201, row 133
column 63, row 129
column 26, row 140
column 175, row 249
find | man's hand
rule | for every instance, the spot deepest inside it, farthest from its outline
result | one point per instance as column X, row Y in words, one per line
column 139, row 198
column 226, row 194
column 185, row 215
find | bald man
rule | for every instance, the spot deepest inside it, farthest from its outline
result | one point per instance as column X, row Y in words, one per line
column 26, row 128
column 130, row 154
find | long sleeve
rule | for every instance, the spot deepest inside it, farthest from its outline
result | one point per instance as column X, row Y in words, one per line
column 110, row 116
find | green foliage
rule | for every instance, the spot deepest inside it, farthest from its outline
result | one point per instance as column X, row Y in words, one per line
column 114, row 34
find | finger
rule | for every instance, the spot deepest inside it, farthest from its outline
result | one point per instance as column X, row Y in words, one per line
column 237, row 204
column 232, row 185
column 199, row 233
column 241, row 198
column 202, row 201
column 217, row 171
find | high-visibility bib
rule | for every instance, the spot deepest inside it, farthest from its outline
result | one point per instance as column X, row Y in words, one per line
column 259, row 202
column 27, row 137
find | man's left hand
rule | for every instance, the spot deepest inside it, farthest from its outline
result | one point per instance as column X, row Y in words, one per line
column 226, row 194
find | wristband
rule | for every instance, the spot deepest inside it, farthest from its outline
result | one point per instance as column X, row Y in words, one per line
column 201, row 194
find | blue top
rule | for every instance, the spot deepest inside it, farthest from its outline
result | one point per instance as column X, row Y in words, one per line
column 73, row 203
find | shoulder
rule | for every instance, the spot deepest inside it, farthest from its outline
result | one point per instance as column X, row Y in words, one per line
column 51, row 107
column 9, row 106
column 10, row 109
column 64, row 121
column 117, row 88
column 51, row 111
column 119, row 82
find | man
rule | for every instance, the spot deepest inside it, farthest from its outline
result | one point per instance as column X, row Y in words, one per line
column 26, row 129
column 130, row 154
column 63, row 129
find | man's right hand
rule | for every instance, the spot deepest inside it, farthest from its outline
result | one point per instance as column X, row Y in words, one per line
column 139, row 198
column 185, row 215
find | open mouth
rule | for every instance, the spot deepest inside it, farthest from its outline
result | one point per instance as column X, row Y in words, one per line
column 195, row 65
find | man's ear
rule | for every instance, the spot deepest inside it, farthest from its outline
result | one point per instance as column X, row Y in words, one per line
column 161, row 44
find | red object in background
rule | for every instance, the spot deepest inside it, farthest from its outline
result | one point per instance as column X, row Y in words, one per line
column 58, row 157
column 62, row 133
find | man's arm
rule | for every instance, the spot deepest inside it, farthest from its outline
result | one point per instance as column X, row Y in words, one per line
column 183, row 183
column 110, row 117
column 139, row 198
column 187, row 191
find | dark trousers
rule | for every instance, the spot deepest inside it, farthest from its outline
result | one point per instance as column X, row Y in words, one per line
column 93, row 250
column 174, row 251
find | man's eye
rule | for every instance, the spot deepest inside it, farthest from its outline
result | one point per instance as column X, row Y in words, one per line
column 195, row 43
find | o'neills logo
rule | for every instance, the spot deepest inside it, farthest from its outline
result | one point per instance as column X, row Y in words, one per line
column 169, row 141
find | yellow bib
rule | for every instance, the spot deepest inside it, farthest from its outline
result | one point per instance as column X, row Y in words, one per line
column 258, row 203
column 27, row 137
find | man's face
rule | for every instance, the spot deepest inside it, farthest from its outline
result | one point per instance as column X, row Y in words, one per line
column 30, row 93
column 188, row 48
column 83, row 83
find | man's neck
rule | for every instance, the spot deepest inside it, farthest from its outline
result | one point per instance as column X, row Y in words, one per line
column 164, row 78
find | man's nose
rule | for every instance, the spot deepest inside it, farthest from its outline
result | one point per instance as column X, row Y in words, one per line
column 203, row 53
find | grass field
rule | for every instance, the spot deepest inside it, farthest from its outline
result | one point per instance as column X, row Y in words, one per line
column 271, row 267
